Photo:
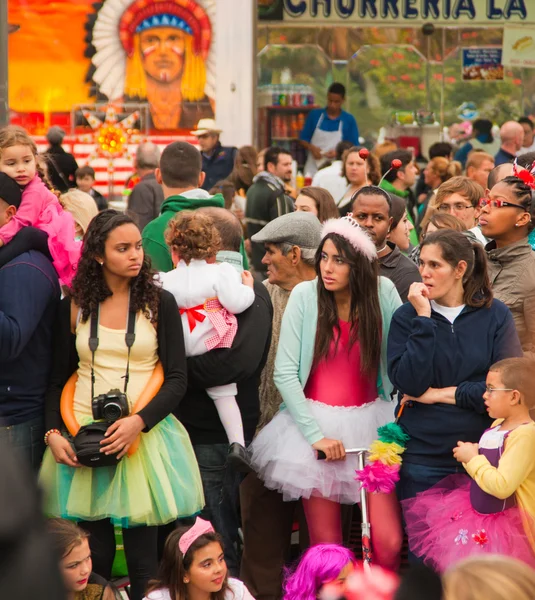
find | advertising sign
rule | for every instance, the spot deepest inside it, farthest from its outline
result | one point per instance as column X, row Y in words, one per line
column 482, row 64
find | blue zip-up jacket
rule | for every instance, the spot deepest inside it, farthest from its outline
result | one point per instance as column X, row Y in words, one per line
column 431, row 352
column 29, row 296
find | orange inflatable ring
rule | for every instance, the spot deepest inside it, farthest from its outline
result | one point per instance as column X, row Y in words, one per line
column 67, row 401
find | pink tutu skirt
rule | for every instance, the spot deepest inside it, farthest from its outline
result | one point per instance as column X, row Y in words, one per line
column 443, row 528
column 65, row 251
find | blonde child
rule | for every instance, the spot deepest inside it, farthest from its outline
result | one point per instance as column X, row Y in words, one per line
column 492, row 509
column 39, row 207
column 208, row 296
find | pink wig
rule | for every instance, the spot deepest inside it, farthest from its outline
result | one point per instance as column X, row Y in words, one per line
column 318, row 565
column 350, row 230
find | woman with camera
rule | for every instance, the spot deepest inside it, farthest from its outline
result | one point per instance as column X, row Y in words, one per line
column 112, row 334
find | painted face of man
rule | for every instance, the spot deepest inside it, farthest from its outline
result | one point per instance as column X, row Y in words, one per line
column 162, row 53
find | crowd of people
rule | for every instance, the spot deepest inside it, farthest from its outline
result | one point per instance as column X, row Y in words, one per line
column 172, row 373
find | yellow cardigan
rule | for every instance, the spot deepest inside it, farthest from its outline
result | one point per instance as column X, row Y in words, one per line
column 515, row 473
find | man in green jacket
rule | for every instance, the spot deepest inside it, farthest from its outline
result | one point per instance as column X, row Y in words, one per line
column 181, row 177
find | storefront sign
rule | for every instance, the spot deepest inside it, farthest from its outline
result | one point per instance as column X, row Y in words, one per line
column 417, row 12
column 482, row 64
column 519, row 47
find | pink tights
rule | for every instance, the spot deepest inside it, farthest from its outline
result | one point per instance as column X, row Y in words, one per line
column 325, row 526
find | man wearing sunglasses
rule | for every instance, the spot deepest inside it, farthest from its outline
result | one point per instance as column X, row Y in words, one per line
column 506, row 218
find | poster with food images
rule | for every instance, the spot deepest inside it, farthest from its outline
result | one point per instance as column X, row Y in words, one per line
column 519, row 47
column 482, row 63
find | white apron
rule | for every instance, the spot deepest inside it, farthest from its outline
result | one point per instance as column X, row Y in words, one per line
column 325, row 140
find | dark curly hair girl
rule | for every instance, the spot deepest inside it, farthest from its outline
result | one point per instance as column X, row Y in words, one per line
column 193, row 236
column 89, row 286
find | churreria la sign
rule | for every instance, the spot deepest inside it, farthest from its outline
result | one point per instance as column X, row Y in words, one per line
column 476, row 12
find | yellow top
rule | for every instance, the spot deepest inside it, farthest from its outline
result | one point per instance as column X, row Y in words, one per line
column 110, row 363
column 515, row 473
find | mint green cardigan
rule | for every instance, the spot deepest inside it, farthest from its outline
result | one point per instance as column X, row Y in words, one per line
column 295, row 352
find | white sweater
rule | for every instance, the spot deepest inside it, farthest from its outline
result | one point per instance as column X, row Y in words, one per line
column 193, row 284
column 237, row 591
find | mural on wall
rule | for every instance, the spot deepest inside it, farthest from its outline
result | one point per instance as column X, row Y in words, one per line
column 161, row 52
column 158, row 51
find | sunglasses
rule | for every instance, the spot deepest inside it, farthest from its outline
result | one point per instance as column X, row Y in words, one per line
column 496, row 203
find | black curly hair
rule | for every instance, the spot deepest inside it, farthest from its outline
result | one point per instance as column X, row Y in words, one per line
column 89, row 287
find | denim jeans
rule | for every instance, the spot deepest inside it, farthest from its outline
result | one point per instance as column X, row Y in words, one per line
column 414, row 478
column 27, row 440
column 221, row 486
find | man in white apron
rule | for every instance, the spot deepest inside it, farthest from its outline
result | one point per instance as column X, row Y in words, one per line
column 325, row 127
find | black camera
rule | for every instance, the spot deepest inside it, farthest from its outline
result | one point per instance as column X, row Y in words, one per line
column 110, row 407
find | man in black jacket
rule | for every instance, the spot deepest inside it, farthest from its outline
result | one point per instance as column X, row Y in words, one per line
column 243, row 364
column 267, row 200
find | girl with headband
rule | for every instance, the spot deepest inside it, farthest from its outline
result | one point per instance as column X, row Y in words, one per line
column 193, row 566
column 331, row 372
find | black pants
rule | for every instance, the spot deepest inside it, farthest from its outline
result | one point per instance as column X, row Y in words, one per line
column 140, row 547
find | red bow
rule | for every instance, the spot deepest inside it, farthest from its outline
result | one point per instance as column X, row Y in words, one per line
column 526, row 175
column 193, row 315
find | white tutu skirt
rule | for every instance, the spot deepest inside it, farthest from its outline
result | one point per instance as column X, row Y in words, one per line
column 286, row 462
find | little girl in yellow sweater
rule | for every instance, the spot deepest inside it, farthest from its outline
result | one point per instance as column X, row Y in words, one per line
column 493, row 510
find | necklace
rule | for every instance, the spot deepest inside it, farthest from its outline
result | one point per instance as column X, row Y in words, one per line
column 382, row 249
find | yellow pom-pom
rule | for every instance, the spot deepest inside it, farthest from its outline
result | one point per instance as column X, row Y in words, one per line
column 387, row 453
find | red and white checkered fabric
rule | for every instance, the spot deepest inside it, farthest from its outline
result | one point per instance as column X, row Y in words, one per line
column 225, row 325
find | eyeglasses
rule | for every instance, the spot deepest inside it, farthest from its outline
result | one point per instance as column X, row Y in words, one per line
column 489, row 390
column 457, row 207
column 496, row 203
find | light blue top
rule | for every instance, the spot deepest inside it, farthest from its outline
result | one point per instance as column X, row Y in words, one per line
column 350, row 130
column 295, row 352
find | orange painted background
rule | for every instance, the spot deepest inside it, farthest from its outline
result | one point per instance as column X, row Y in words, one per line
column 47, row 67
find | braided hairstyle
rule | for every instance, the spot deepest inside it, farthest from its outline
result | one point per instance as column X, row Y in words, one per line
column 523, row 195
column 89, row 287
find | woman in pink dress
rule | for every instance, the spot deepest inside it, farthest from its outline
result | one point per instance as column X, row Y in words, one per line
column 331, row 372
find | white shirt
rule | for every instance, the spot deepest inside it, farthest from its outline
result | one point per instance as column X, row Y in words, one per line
column 479, row 235
column 193, row 284
column 237, row 591
column 527, row 149
column 450, row 312
column 331, row 179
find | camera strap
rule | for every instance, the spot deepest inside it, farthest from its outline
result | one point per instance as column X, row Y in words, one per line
column 129, row 339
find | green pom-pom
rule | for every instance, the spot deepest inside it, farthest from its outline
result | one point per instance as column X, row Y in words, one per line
column 391, row 433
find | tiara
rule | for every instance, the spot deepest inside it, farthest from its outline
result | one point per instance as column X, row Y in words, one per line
column 199, row 528
column 350, row 230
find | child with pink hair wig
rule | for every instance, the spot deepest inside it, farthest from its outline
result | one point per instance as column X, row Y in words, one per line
column 319, row 565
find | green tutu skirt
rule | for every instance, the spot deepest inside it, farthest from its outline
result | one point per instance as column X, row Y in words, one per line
column 159, row 483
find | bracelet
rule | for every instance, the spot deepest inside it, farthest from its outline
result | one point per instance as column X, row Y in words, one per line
column 49, row 433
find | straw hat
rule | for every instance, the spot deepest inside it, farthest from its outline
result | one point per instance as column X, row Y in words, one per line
column 206, row 126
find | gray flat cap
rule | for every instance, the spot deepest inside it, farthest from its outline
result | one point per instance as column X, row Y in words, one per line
column 298, row 228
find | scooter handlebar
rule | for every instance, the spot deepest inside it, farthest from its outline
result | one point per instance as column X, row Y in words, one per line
column 320, row 455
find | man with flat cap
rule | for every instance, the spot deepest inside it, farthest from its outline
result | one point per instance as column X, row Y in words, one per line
column 29, row 295
column 290, row 244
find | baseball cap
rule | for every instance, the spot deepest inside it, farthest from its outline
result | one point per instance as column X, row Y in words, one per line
column 297, row 228
column 10, row 192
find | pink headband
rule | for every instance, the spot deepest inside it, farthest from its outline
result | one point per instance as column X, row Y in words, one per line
column 349, row 229
column 200, row 528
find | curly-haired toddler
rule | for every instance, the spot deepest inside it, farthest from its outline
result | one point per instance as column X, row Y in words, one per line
column 209, row 295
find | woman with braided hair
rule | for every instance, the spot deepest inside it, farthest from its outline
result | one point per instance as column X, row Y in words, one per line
column 507, row 219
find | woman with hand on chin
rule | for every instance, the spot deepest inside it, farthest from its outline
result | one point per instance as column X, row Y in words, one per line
column 440, row 347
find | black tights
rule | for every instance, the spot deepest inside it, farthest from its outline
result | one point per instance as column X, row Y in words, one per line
column 140, row 547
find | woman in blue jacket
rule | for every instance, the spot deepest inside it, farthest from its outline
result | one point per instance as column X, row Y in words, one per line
column 440, row 347
column 331, row 372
